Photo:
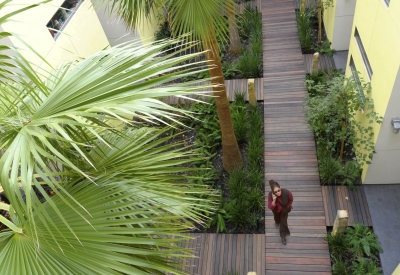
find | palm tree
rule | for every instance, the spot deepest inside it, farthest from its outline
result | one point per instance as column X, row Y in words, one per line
column 235, row 46
column 120, row 198
column 203, row 20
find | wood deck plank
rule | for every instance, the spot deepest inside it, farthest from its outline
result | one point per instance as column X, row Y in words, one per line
column 290, row 156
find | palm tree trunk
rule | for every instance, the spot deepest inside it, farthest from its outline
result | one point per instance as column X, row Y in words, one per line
column 235, row 46
column 232, row 159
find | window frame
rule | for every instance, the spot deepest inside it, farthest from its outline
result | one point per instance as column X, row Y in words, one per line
column 387, row 2
column 58, row 16
column 356, row 79
column 363, row 53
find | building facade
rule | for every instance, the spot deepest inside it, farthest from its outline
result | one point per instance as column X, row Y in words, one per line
column 59, row 30
column 373, row 44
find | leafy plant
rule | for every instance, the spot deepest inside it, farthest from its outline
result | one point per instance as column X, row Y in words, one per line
column 362, row 240
column 237, row 184
column 339, row 246
column 164, row 32
column 349, row 173
column 363, row 266
column 238, row 213
column 219, row 216
column 331, row 113
column 255, row 177
column 239, row 117
column 256, row 200
column 249, row 21
column 304, row 28
column 255, row 149
column 325, row 48
column 340, row 268
column 230, row 69
column 249, row 64
column 329, row 168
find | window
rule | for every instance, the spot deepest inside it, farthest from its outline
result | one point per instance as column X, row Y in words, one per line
column 356, row 78
column 363, row 53
column 60, row 19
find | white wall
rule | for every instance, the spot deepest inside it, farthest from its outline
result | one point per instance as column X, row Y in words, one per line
column 344, row 15
column 385, row 167
column 114, row 29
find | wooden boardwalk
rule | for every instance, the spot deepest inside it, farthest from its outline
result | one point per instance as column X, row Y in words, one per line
column 232, row 86
column 342, row 198
column 218, row 254
column 290, row 156
column 324, row 63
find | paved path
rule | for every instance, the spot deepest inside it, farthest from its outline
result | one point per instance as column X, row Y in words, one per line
column 385, row 214
column 290, row 156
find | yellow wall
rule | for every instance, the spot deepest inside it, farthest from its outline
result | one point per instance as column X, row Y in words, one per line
column 329, row 20
column 83, row 34
column 397, row 271
column 379, row 30
column 149, row 26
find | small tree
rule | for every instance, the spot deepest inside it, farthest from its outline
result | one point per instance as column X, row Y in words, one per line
column 331, row 112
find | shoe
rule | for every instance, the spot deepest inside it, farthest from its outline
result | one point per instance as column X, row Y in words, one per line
column 284, row 240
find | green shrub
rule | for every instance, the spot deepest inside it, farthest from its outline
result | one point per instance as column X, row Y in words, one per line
column 250, row 64
column 163, row 33
column 304, row 28
column 349, row 173
column 230, row 70
column 248, row 22
column 363, row 266
column 325, row 48
column 340, row 268
column 238, row 213
column 219, row 216
column 255, row 177
column 256, row 200
column 363, row 240
column 255, row 150
column 329, row 169
column 339, row 101
column 339, row 246
column 239, row 123
column 237, row 184
column 239, row 117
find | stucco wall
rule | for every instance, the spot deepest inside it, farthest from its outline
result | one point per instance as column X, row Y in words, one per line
column 379, row 31
column 117, row 32
column 81, row 37
column 338, row 21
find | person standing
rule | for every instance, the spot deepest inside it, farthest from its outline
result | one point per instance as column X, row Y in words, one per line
column 280, row 202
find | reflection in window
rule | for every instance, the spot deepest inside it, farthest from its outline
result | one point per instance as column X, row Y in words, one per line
column 363, row 53
column 356, row 79
column 62, row 16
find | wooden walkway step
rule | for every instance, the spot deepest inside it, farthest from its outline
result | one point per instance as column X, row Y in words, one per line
column 342, row 198
column 232, row 86
column 290, row 155
column 325, row 62
column 218, row 254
